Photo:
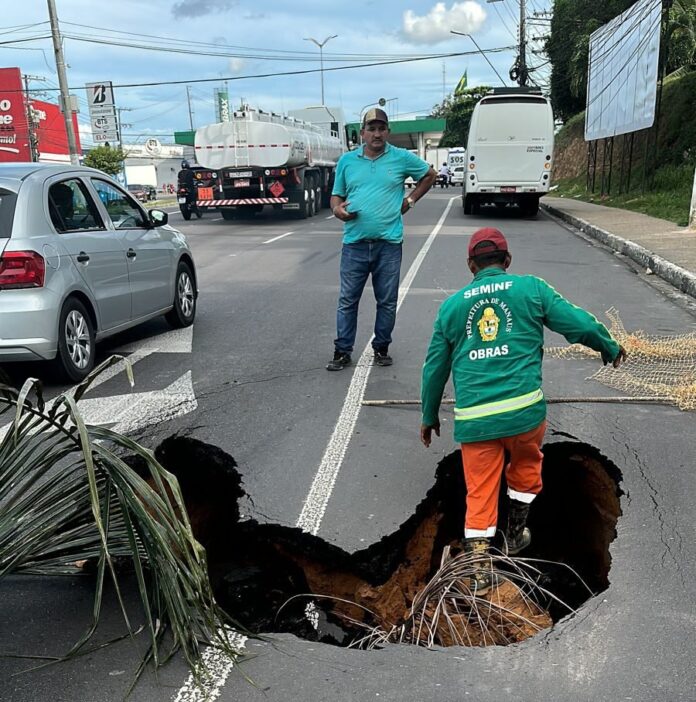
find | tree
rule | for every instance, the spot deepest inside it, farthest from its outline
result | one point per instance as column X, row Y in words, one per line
column 106, row 158
column 457, row 110
column 568, row 47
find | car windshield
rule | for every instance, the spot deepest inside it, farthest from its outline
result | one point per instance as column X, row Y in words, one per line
column 7, row 206
column 133, row 188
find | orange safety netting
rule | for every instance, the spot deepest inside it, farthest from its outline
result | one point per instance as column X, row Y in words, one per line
column 663, row 367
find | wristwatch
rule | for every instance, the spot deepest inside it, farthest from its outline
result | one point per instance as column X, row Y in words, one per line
column 411, row 202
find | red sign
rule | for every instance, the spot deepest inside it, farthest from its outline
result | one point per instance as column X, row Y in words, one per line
column 14, row 135
column 276, row 189
column 47, row 124
column 49, row 129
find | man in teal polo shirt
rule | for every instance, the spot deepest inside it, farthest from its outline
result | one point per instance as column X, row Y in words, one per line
column 368, row 197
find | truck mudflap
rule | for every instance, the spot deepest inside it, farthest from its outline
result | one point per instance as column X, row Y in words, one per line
column 243, row 201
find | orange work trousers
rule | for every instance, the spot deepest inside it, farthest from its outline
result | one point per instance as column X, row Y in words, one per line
column 483, row 470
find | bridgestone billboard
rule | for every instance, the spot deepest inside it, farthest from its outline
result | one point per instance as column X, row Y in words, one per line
column 622, row 72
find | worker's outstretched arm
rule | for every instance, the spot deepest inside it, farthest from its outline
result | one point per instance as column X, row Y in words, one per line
column 578, row 326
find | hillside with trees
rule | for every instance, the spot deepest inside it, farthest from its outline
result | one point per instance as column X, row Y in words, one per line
column 663, row 188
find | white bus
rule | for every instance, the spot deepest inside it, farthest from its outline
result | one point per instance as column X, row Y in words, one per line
column 509, row 151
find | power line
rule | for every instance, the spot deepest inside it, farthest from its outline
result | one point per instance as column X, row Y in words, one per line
column 305, row 71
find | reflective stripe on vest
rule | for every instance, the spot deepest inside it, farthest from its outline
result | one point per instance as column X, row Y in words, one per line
column 491, row 408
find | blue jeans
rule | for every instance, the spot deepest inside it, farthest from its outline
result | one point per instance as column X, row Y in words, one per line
column 382, row 260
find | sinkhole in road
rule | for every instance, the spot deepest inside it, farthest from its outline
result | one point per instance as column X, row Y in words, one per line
column 264, row 575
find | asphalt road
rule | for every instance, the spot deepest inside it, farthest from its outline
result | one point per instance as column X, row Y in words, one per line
column 253, row 379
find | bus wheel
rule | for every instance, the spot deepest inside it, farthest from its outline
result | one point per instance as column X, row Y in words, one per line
column 467, row 204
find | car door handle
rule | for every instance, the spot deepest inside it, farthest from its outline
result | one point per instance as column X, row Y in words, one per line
column 131, row 253
column 82, row 257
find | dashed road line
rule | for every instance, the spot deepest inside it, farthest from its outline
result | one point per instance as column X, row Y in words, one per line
column 325, row 479
column 218, row 667
column 275, row 238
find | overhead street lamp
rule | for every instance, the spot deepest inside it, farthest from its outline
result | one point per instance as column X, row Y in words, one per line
column 321, row 45
column 480, row 50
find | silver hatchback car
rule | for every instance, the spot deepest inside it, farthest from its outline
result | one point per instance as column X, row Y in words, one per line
column 80, row 259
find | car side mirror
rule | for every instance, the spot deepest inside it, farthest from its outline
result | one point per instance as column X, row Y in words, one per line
column 158, row 218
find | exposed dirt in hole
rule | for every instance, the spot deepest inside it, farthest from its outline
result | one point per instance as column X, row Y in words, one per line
column 256, row 568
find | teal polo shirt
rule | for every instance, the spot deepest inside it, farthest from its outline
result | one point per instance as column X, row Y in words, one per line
column 374, row 189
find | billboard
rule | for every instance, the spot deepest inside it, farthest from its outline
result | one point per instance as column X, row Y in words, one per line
column 14, row 135
column 622, row 72
column 49, row 131
column 18, row 121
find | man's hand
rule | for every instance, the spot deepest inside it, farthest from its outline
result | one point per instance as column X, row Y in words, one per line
column 405, row 206
column 426, row 433
column 341, row 213
column 620, row 357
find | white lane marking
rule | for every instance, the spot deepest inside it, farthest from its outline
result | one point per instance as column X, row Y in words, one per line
column 219, row 666
column 325, row 479
column 174, row 341
column 134, row 411
column 275, row 238
column 214, row 669
column 330, row 217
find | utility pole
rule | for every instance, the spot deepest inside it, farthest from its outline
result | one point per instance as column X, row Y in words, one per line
column 63, row 83
column 188, row 97
column 33, row 142
column 120, row 125
column 522, row 70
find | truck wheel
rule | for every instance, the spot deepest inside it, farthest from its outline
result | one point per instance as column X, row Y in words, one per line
column 228, row 215
column 305, row 205
column 185, row 212
column 318, row 200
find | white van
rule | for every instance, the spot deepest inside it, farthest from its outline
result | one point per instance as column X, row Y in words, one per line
column 509, row 151
column 456, row 157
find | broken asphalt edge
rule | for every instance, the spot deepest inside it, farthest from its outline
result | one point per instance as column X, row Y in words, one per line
column 680, row 278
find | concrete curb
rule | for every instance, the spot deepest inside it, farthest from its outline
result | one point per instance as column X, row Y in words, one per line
column 680, row 278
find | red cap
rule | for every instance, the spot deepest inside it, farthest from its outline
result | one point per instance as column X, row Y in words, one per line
column 492, row 236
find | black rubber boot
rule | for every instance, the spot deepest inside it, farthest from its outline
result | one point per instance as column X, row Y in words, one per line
column 517, row 534
column 483, row 578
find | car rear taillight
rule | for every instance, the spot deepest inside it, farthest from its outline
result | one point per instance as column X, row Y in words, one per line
column 21, row 269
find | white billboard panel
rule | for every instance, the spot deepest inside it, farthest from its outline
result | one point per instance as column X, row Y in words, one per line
column 622, row 72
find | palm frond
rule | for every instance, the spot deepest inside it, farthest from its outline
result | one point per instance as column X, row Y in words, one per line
column 68, row 495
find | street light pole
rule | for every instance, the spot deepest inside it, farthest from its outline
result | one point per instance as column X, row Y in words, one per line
column 63, row 83
column 321, row 45
column 481, row 51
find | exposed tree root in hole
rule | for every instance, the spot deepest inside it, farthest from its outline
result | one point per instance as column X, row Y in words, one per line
column 265, row 575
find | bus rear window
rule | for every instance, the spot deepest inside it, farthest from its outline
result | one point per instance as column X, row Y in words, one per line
column 7, row 207
column 524, row 122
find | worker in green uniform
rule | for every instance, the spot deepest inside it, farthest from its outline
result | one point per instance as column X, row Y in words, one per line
column 490, row 336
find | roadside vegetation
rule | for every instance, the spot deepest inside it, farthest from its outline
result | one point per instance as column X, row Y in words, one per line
column 662, row 172
column 85, row 501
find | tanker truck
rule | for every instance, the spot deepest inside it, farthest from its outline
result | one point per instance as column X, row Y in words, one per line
column 266, row 159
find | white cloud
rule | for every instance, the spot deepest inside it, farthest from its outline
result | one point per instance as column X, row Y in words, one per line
column 236, row 65
column 435, row 27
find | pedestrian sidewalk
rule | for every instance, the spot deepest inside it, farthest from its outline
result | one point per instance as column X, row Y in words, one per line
column 659, row 246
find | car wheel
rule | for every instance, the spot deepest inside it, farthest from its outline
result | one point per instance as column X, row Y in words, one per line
column 184, row 310
column 75, row 358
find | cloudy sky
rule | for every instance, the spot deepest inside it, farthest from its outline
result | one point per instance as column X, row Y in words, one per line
column 164, row 41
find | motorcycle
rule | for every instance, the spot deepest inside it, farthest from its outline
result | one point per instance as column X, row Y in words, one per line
column 443, row 180
column 186, row 197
